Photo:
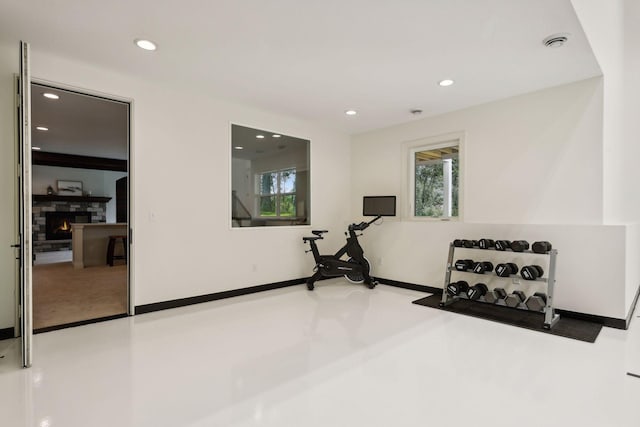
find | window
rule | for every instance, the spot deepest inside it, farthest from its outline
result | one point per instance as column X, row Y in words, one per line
column 270, row 183
column 277, row 193
column 435, row 180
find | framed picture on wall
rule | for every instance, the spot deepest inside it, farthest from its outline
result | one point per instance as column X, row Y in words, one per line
column 70, row 188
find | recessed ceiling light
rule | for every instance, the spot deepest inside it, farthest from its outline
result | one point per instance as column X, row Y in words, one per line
column 260, row 136
column 145, row 44
column 35, row 148
column 351, row 112
column 275, row 135
column 238, row 147
column 445, row 82
column 50, row 95
column 556, row 40
column 42, row 128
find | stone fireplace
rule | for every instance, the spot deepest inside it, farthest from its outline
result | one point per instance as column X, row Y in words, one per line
column 52, row 216
column 58, row 224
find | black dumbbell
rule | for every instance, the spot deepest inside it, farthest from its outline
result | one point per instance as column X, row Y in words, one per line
column 537, row 301
column 514, row 299
column 519, row 246
column 456, row 288
column 503, row 245
column 495, row 295
column 464, row 264
column 531, row 272
column 486, row 243
column 541, row 247
column 505, row 270
column 476, row 291
column 482, row 267
column 464, row 243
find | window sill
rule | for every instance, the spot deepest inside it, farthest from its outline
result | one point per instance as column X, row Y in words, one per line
column 430, row 219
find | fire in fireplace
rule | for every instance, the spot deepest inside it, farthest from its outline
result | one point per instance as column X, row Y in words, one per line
column 58, row 224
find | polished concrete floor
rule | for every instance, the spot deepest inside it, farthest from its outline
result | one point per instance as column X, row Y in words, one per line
column 342, row 355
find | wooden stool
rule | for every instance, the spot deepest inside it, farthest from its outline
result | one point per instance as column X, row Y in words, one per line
column 111, row 249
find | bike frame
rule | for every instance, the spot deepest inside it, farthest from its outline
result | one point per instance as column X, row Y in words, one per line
column 333, row 265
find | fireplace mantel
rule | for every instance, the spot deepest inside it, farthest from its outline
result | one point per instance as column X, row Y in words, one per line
column 57, row 198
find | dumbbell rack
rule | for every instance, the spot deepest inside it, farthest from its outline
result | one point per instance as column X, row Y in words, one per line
column 550, row 316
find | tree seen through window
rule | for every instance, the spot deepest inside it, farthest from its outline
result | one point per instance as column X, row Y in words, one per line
column 436, row 182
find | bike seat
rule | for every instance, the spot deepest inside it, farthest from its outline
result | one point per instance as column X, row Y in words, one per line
column 319, row 232
column 309, row 238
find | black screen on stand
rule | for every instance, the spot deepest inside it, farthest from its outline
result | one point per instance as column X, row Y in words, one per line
column 379, row 206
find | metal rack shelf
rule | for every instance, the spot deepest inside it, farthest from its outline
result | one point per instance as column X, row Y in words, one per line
column 550, row 316
column 495, row 275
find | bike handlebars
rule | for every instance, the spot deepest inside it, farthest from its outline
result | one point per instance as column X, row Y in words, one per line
column 358, row 227
column 353, row 227
column 363, row 225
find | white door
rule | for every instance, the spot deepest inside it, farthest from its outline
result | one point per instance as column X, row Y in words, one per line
column 24, row 204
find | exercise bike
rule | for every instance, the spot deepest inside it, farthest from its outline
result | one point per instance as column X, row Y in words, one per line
column 355, row 269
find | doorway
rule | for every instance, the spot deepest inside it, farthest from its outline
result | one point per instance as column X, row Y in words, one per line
column 80, row 207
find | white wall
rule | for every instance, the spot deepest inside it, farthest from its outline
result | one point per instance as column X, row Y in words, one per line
column 534, row 158
column 612, row 30
column 98, row 182
column 632, row 270
column 533, row 161
column 183, row 242
column 632, row 143
column 590, row 265
column 611, row 26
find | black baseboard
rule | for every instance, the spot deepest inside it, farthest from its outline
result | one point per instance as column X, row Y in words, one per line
column 80, row 323
column 610, row 322
column 6, row 333
column 182, row 302
column 412, row 286
column 164, row 305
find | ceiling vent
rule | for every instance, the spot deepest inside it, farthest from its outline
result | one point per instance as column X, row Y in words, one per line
column 556, row 40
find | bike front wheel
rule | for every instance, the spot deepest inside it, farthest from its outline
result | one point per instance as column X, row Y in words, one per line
column 357, row 276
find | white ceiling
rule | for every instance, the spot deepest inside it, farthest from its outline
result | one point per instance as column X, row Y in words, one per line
column 315, row 59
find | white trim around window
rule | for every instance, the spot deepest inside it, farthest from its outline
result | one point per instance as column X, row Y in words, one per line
column 409, row 149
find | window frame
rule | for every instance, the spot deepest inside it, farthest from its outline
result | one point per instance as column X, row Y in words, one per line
column 278, row 194
column 410, row 148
